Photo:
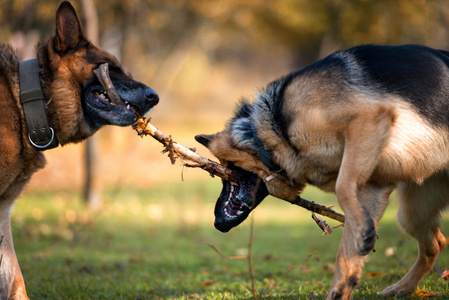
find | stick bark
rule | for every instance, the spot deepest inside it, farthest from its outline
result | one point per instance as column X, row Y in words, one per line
column 102, row 73
column 175, row 150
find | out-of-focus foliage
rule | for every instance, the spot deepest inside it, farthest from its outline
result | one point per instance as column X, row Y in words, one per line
column 242, row 27
column 202, row 55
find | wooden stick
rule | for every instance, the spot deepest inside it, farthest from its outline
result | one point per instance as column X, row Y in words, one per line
column 319, row 209
column 175, row 150
column 102, row 73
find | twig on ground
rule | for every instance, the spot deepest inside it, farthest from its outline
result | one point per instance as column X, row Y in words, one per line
column 250, row 265
column 287, row 272
column 252, row 288
column 224, row 258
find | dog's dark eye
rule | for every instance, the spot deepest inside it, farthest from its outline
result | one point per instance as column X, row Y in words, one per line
column 114, row 68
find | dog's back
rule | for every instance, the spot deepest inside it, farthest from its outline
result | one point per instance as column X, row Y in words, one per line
column 416, row 73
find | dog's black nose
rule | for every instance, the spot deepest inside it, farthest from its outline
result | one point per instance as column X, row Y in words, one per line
column 151, row 96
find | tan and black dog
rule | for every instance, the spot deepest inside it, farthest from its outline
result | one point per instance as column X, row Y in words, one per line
column 56, row 98
column 359, row 123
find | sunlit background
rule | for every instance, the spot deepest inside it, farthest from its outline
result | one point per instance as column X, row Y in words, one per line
column 201, row 57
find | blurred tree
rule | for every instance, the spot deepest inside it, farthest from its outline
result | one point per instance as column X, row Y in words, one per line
column 157, row 40
column 153, row 30
column 92, row 182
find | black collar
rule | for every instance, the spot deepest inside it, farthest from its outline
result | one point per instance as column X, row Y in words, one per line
column 264, row 154
column 32, row 97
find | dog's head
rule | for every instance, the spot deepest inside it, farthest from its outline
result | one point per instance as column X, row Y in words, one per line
column 236, row 149
column 78, row 104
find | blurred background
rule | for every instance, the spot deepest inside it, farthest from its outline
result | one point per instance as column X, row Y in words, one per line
column 149, row 233
column 201, row 57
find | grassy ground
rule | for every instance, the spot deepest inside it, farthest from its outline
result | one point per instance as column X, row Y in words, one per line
column 153, row 244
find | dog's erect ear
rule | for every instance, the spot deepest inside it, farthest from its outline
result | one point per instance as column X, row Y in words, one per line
column 205, row 139
column 69, row 34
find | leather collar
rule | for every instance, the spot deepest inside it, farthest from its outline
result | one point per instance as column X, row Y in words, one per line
column 264, row 154
column 32, row 97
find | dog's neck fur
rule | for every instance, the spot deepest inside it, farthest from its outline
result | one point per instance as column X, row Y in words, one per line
column 245, row 127
column 32, row 97
column 58, row 93
column 264, row 154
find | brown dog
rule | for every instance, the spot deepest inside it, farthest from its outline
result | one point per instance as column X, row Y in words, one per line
column 56, row 98
column 359, row 123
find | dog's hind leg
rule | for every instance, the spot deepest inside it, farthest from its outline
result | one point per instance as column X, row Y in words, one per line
column 365, row 138
column 419, row 216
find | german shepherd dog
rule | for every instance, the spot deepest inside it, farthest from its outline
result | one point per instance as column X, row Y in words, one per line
column 76, row 106
column 358, row 123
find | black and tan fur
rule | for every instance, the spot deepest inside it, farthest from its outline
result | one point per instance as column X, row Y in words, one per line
column 359, row 123
column 75, row 106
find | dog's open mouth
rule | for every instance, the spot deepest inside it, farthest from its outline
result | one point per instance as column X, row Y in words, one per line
column 117, row 102
column 102, row 99
column 233, row 207
column 236, row 202
column 122, row 114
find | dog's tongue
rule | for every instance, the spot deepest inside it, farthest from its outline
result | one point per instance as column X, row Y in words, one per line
column 102, row 74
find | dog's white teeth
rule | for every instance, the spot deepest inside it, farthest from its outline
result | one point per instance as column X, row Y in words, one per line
column 239, row 212
column 226, row 203
column 103, row 95
column 128, row 106
column 231, row 193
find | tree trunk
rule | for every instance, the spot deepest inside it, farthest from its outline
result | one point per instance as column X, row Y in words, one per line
column 92, row 185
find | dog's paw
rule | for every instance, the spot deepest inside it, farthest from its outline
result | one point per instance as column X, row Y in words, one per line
column 364, row 236
column 398, row 289
column 344, row 289
column 368, row 240
column 335, row 295
column 403, row 287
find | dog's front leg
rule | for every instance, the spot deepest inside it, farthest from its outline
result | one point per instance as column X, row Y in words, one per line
column 12, row 285
column 365, row 138
column 349, row 262
column 348, row 268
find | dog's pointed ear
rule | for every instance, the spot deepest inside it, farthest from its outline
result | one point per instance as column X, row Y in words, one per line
column 69, row 34
column 205, row 139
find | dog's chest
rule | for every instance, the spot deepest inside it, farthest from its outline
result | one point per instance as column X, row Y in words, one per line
column 318, row 159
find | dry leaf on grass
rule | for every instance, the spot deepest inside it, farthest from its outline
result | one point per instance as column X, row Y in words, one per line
column 423, row 294
column 207, row 283
column 376, row 274
column 329, row 268
column 445, row 275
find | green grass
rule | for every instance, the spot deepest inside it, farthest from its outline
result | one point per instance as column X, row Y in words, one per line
column 153, row 244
